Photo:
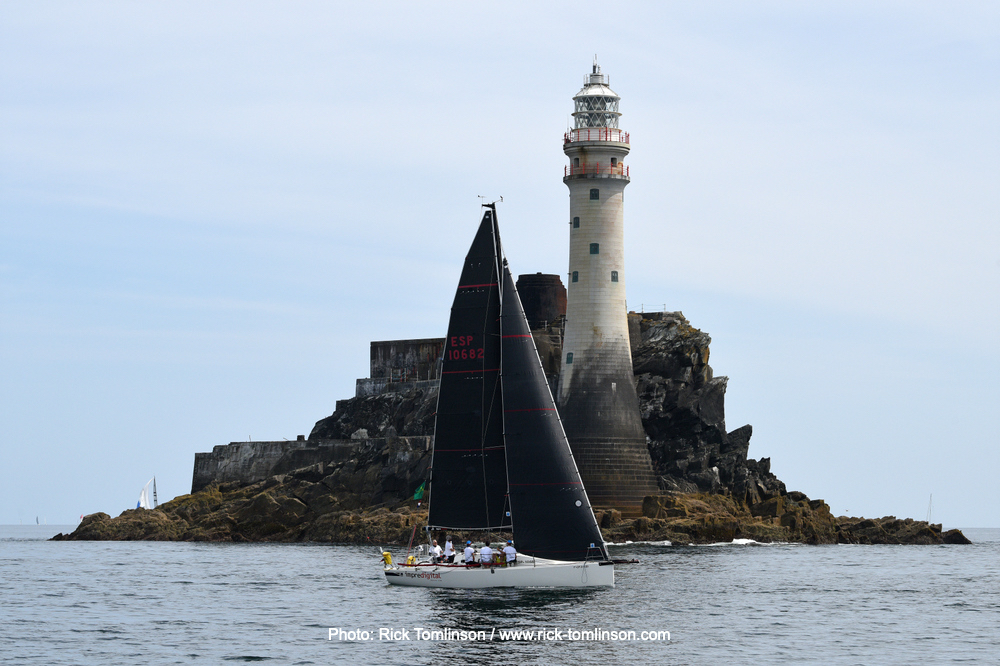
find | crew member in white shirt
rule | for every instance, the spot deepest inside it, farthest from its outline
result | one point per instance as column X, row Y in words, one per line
column 449, row 551
column 486, row 555
column 470, row 553
column 510, row 552
column 435, row 552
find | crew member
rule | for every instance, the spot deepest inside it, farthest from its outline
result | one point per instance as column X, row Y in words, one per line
column 486, row 555
column 435, row 552
column 510, row 552
column 470, row 553
column 449, row 551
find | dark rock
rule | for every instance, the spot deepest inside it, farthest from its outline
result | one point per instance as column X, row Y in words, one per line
column 384, row 415
column 738, row 441
column 892, row 530
column 608, row 518
column 131, row 525
column 707, row 480
column 954, row 537
column 670, row 483
column 311, row 473
column 663, row 506
column 671, row 348
column 771, row 508
column 683, row 413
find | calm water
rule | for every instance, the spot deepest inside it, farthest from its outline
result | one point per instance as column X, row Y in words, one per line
column 178, row 603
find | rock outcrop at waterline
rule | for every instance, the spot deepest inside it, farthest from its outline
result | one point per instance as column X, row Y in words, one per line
column 281, row 509
column 302, row 507
column 366, row 499
column 379, row 453
column 793, row 518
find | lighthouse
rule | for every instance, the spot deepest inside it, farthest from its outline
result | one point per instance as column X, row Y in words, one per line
column 597, row 398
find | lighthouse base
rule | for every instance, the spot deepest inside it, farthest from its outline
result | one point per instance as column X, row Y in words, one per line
column 617, row 473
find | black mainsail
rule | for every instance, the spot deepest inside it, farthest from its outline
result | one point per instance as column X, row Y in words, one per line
column 469, row 472
column 501, row 458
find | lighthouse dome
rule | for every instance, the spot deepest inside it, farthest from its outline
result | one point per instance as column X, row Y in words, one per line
column 596, row 105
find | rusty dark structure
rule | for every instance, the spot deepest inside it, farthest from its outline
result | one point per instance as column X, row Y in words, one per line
column 543, row 297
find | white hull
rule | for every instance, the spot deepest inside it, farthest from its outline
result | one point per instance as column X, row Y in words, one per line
column 528, row 572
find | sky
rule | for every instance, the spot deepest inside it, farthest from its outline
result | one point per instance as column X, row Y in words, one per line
column 208, row 211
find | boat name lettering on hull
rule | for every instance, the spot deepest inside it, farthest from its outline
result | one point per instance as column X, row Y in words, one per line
column 428, row 576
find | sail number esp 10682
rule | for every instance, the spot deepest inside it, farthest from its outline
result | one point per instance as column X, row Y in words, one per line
column 461, row 348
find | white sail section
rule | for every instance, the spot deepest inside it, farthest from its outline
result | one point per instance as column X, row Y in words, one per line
column 144, row 497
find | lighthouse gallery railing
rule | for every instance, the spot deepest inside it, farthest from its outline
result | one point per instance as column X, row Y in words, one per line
column 595, row 169
column 595, row 134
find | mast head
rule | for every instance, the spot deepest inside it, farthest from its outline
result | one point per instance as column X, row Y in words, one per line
column 596, row 105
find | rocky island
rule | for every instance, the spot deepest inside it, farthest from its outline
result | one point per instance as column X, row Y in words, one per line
column 353, row 479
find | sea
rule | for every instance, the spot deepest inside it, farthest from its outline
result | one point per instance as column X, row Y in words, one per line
column 729, row 603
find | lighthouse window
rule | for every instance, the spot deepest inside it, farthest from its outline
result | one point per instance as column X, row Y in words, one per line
column 614, row 276
column 576, row 161
column 569, row 358
column 595, row 248
column 614, row 161
column 596, row 104
column 576, row 276
column 595, row 194
column 576, row 223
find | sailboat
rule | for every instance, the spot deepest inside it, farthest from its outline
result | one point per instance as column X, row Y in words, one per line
column 143, row 502
column 501, row 460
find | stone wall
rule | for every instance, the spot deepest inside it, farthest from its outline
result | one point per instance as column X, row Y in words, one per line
column 407, row 360
column 237, row 461
column 250, row 462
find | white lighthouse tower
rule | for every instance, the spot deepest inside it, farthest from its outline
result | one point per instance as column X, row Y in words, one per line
column 597, row 398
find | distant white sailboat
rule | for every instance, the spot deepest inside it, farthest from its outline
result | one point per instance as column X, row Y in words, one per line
column 143, row 502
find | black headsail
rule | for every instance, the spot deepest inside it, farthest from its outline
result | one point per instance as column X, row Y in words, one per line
column 468, row 467
column 552, row 515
